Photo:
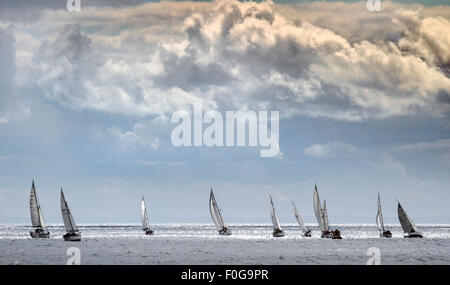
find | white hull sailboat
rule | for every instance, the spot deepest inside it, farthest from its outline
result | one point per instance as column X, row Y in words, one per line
column 322, row 217
column 380, row 223
column 407, row 224
column 305, row 230
column 144, row 218
column 277, row 231
column 73, row 234
column 217, row 216
column 37, row 219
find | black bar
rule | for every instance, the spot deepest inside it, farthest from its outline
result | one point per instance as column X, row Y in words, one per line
column 224, row 273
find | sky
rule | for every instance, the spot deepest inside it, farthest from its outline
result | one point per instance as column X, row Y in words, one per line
column 86, row 100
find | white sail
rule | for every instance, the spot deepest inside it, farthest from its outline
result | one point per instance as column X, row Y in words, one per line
column 380, row 223
column 318, row 209
column 325, row 216
column 273, row 215
column 41, row 218
column 144, row 216
column 37, row 218
column 69, row 222
column 406, row 223
column 215, row 212
column 34, row 208
column 298, row 218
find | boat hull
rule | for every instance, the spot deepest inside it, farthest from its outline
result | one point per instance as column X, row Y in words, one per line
column 326, row 234
column 413, row 235
column 72, row 237
column 39, row 235
column 225, row 232
column 307, row 233
column 149, row 232
column 336, row 234
column 386, row 234
column 278, row 234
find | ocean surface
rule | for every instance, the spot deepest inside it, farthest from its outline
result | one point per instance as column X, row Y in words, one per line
column 200, row 244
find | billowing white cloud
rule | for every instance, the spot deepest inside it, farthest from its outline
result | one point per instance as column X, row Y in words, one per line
column 332, row 149
column 302, row 59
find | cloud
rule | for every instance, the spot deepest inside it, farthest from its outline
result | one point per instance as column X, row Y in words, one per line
column 438, row 144
column 146, row 134
column 388, row 162
column 332, row 149
column 12, row 107
column 304, row 59
column 132, row 140
column 152, row 163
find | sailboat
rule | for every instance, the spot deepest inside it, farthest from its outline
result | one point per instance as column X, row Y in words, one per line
column 380, row 224
column 408, row 226
column 217, row 216
column 277, row 231
column 144, row 217
column 305, row 230
column 322, row 217
column 37, row 219
column 73, row 234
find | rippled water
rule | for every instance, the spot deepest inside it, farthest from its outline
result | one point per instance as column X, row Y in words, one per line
column 240, row 231
column 200, row 244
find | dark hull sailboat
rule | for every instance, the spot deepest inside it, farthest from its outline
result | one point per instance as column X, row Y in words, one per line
column 277, row 231
column 37, row 219
column 408, row 226
column 72, row 237
column 73, row 234
column 39, row 234
column 322, row 217
column 380, row 224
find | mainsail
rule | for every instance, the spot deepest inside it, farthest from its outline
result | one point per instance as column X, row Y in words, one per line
column 325, row 216
column 37, row 219
column 273, row 215
column 145, row 222
column 69, row 222
column 318, row 209
column 380, row 223
column 215, row 212
column 298, row 218
column 406, row 223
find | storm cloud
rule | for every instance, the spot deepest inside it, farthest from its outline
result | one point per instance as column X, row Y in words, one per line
column 151, row 59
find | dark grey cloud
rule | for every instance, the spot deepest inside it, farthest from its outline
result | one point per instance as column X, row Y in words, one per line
column 7, row 71
column 11, row 105
column 71, row 44
column 152, row 59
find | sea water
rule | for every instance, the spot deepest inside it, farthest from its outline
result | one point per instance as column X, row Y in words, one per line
column 200, row 244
